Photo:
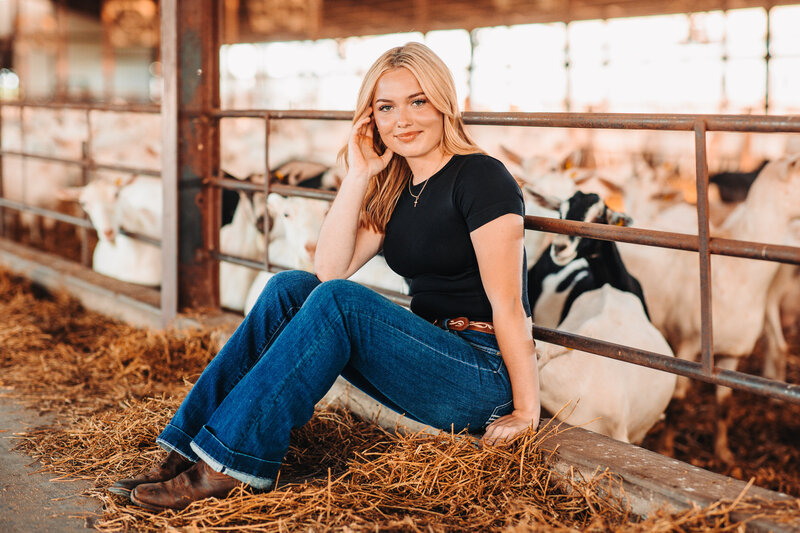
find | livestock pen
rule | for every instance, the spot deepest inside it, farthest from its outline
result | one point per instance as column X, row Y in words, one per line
column 192, row 184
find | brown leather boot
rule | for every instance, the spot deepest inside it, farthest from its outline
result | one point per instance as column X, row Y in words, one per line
column 197, row 483
column 170, row 467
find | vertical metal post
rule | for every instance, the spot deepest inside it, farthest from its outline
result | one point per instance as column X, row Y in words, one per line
column 169, row 161
column 267, row 225
column 62, row 66
column 2, row 193
column 231, row 18
column 767, row 60
column 473, row 42
column 568, row 70
column 107, row 60
column 86, row 259
column 22, row 170
column 190, row 60
column 707, row 330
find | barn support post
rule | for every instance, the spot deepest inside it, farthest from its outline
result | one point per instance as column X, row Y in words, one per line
column 190, row 59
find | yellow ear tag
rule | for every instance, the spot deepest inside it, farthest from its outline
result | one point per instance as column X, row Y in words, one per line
column 118, row 182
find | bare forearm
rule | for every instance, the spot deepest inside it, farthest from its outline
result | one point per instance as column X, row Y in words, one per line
column 513, row 330
column 337, row 237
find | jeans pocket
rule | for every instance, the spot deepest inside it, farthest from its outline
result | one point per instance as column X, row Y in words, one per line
column 500, row 410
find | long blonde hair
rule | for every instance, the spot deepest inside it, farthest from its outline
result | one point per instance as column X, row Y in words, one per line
column 437, row 83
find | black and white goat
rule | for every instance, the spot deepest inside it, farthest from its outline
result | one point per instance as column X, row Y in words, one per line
column 583, row 287
column 574, row 265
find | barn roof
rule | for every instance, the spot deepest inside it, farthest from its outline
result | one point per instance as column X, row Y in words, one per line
column 311, row 19
column 272, row 20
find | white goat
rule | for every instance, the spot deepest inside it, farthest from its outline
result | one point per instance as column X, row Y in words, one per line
column 293, row 237
column 739, row 287
column 782, row 309
column 241, row 238
column 293, row 241
column 615, row 398
column 376, row 273
column 134, row 205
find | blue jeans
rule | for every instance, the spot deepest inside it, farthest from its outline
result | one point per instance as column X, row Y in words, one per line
column 298, row 338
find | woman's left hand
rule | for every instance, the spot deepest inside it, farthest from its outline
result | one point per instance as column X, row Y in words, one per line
column 509, row 426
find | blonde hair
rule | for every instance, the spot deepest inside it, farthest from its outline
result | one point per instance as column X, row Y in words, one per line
column 437, row 83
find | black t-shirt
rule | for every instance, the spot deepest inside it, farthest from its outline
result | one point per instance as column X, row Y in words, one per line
column 430, row 243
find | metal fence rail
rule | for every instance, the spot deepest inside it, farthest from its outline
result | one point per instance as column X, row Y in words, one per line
column 702, row 243
column 86, row 162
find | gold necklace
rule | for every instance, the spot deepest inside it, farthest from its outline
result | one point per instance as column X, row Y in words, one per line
column 416, row 196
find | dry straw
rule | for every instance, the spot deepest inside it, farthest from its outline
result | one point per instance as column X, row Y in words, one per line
column 117, row 386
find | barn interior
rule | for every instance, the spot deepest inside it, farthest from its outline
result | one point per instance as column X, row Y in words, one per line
column 95, row 89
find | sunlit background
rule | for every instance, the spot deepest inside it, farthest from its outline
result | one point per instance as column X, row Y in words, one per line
column 700, row 62
column 736, row 61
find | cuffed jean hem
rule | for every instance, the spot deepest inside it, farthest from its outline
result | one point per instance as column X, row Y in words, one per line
column 173, row 439
column 217, row 455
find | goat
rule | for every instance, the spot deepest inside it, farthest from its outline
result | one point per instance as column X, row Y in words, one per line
column 575, row 265
column 241, row 238
column 615, row 398
column 582, row 287
column 310, row 174
column 134, row 205
column 293, row 240
column 733, row 186
column 739, row 287
column 293, row 237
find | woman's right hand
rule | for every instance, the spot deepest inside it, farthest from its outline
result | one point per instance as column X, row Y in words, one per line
column 361, row 156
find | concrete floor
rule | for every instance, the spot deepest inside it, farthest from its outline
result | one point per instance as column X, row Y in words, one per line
column 29, row 501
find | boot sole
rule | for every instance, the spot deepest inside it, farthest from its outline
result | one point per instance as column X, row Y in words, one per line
column 120, row 491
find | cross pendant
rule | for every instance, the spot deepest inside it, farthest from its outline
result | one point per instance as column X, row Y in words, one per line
column 415, row 202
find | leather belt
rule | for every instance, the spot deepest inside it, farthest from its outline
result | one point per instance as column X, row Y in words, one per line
column 461, row 323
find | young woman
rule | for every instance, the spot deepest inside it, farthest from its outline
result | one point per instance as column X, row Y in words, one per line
column 447, row 217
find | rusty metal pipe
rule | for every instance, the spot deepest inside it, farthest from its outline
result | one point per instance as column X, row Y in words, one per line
column 666, row 239
column 691, row 369
column 704, row 254
column 87, row 163
column 112, row 108
column 640, row 121
column 17, row 206
column 287, row 190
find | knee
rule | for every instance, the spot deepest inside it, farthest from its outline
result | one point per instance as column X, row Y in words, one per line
column 292, row 282
column 337, row 293
column 293, row 278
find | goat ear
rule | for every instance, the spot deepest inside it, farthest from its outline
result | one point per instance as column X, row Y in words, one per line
column 512, row 156
column 122, row 181
column 611, row 186
column 274, row 203
column 69, row 194
column 615, row 218
column 580, row 176
column 669, row 196
column 548, row 202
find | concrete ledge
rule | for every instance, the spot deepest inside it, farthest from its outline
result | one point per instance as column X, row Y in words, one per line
column 137, row 305
column 649, row 480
